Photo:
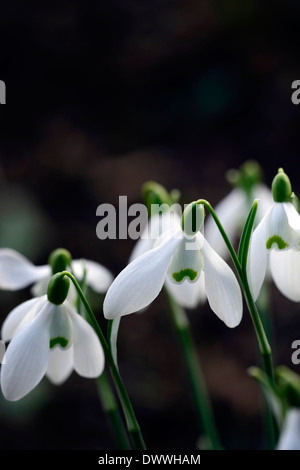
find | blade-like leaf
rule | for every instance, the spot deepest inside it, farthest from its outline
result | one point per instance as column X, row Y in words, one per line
column 272, row 395
column 112, row 333
column 246, row 234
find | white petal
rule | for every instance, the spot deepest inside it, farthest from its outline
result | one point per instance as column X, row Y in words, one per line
column 158, row 225
column 257, row 258
column 290, row 435
column 293, row 218
column 60, row 365
column 17, row 272
column 285, row 271
column 26, row 357
column 98, row 277
column 141, row 281
column 232, row 213
column 19, row 316
column 60, row 328
column 40, row 288
column 222, row 288
column 88, row 355
column 187, row 294
column 279, row 234
column 186, row 262
column 264, row 194
column 142, row 246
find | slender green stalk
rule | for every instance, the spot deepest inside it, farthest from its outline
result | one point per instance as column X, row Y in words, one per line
column 110, row 407
column 240, row 263
column 203, row 407
column 107, row 398
column 131, row 421
column 264, row 345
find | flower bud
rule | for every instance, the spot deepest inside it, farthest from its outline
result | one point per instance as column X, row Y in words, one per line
column 155, row 194
column 59, row 260
column 192, row 218
column 281, row 187
column 58, row 289
column 248, row 175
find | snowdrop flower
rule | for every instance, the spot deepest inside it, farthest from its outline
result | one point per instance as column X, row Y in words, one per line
column 233, row 210
column 181, row 255
column 290, row 436
column 47, row 337
column 17, row 272
column 276, row 237
column 161, row 221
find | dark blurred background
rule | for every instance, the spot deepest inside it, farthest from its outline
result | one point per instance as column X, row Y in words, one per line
column 101, row 97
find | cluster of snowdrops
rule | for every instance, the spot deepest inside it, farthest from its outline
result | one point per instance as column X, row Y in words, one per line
column 56, row 331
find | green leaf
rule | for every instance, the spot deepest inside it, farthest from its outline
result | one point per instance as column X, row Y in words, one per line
column 273, row 397
column 112, row 333
column 289, row 386
column 246, row 235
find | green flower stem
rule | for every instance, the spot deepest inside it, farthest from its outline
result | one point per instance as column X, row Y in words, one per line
column 203, row 408
column 131, row 421
column 110, row 407
column 106, row 395
column 264, row 346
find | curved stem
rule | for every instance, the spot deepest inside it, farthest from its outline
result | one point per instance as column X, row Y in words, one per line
column 110, row 406
column 264, row 346
column 106, row 395
column 131, row 421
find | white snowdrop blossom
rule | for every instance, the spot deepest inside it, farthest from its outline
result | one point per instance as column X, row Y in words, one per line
column 184, row 261
column 232, row 211
column 275, row 243
column 47, row 339
column 188, row 295
column 290, row 435
column 17, row 272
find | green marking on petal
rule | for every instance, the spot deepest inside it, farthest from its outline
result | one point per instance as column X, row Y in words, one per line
column 185, row 273
column 63, row 342
column 278, row 240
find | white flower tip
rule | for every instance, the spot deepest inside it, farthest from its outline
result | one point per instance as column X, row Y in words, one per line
column 233, row 323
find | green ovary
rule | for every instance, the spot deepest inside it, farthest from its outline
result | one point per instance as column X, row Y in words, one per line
column 63, row 342
column 279, row 242
column 190, row 273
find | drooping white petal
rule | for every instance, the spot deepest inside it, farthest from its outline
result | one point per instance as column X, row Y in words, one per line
column 141, row 281
column 279, row 234
column 187, row 294
column 285, row 271
column 257, row 258
column 17, row 272
column 98, row 277
column 19, row 316
column 293, row 218
column 232, row 213
column 158, row 224
column 40, row 288
column 222, row 288
column 88, row 355
column 26, row 358
column 290, row 435
column 264, row 194
column 60, row 365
